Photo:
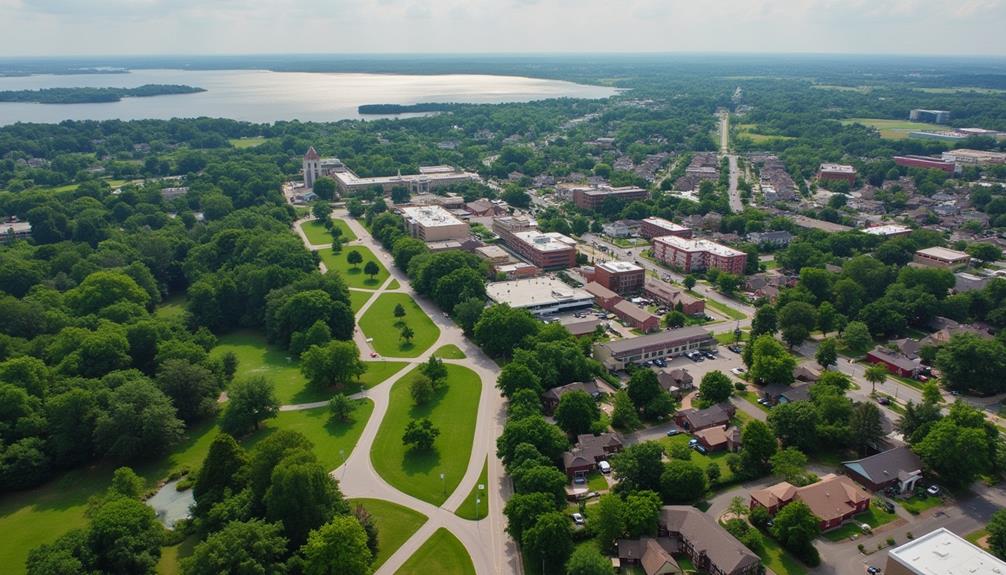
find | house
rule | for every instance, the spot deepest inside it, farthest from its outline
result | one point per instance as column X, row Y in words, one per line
column 636, row 317
column 621, row 228
column 588, row 452
column 552, row 397
column 667, row 295
column 779, row 239
column 697, row 419
column 834, row 499
column 676, row 382
column 794, row 394
column 804, row 373
column 582, row 327
column 894, row 362
column 898, row 467
column 719, row 438
column 651, row 554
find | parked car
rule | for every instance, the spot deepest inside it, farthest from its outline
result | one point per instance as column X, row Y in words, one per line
column 660, row 363
column 873, row 570
column 699, row 448
column 579, row 480
column 673, row 431
column 735, row 348
column 693, row 442
column 738, row 371
column 934, row 490
column 604, row 467
column 578, row 519
column 884, row 400
column 709, row 354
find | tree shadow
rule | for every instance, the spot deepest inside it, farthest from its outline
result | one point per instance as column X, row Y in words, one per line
column 416, row 462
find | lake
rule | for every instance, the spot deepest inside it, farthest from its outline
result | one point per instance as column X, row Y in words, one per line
column 264, row 96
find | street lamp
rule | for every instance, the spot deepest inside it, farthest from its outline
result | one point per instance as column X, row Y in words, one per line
column 443, row 486
column 478, row 499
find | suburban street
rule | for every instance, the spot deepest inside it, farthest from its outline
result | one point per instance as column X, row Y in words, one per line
column 735, row 198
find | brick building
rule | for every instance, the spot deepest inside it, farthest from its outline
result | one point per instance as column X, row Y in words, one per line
column 698, row 255
column 592, row 198
column 623, row 278
column 837, row 172
column 667, row 295
column 657, row 227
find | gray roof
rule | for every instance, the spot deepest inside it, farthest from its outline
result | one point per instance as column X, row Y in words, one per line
column 589, row 387
column 659, row 339
column 886, row 465
column 706, row 536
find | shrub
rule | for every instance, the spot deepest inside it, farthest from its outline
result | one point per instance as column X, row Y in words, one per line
column 759, row 517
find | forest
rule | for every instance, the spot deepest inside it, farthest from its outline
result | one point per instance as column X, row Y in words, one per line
column 94, row 95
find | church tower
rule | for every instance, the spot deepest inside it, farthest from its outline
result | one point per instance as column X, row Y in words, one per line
column 312, row 167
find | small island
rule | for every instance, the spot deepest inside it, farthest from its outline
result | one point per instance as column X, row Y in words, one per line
column 94, row 95
column 390, row 109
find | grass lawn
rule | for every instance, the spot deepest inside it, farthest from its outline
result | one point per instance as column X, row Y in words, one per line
column 596, row 481
column 894, row 129
column 394, row 285
column 874, row 517
column 171, row 308
column 703, row 461
column 918, row 503
column 333, row 440
column 380, row 323
column 728, row 338
column 450, row 351
column 318, row 235
column 250, row 142
column 353, row 275
column 442, row 554
column 395, row 524
column 171, row 556
column 778, row 559
column 467, row 509
column 453, row 411
column 358, row 298
column 976, row 536
column 750, row 131
column 725, row 309
column 752, row 398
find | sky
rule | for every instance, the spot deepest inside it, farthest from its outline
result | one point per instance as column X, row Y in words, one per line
column 128, row 27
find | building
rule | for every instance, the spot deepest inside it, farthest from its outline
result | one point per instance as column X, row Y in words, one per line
column 888, row 230
column 895, row 363
column 697, row 255
column 898, row 467
column 312, row 167
column 603, row 297
column 685, row 530
column 623, row 278
column 925, row 162
column 434, row 224
column 548, row 251
column 588, row 452
column 621, row 228
column 592, row 198
column 693, row 420
column 965, row 282
column 516, row 270
column 615, row 355
column 552, row 397
column 941, row 552
column 539, row 295
column 636, row 317
column 938, row 135
column 172, row 193
column 13, row 231
column 719, row 438
column 834, row 499
column 429, row 177
column 676, row 381
column 484, row 208
column 495, row 255
column 837, row 172
column 581, row 327
column 941, row 257
column 778, row 239
column 815, row 224
column 931, row 116
column 671, row 297
column 966, row 157
column 656, row 227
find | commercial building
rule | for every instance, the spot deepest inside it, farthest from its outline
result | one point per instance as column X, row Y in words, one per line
column 495, row 255
column 837, row 172
column 925, row 162
column 615, row 355
column 895, row 362
column 941, row 552
column 941, row 257
column 592, row 198
column 696, row 255
column 11, row 231
column 656, row 227
column 434, row 224
column 634, row 316
column 581, row 327
column 965, row 282
column 833, row 500
column 548, row 251
column 898, row 467
column 888, row 230
column 540, row 295
column 623, row 278
column 429, row 177
column 671, row 297
column 931, row 116
column 938, row 135
column 966, row 157
column 517, row 270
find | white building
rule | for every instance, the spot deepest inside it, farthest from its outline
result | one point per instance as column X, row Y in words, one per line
column 888, row 230
column 434, row 224
column 941, row 552
column 540, row 296
column 428, row 178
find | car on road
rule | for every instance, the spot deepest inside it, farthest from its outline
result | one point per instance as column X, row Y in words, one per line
column 873, row 570
column 933, row 490
column 578, row 519
column 738, row 371
column 373, row 354
column 673, row 431
column 884, row 400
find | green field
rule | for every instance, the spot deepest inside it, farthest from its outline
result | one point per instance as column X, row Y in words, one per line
column 918, row 503
column 703, row 461
column 171, row 556
column 894, row 129
column 750, row 131
column 358, row 298
column 395, row 524
column 379, row 322
column 353, row 275
column 874, row 517
column 450, row 351
column 453, row 411
column 778, row 559
column 318, row 235
column 250, row 142
column 172, row 307
column 725, row 309
column 442, row 554
column 333, row 440
column 393, row 285
column 468, row 509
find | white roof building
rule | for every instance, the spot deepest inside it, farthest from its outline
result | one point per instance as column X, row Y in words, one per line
column 888, row 230
column 941, row 552
column 540, row 295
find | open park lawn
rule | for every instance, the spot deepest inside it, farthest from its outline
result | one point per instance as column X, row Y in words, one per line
column 358, row 298
column 171, row 557
column 248, row 142
column 333, row 440
column 172, row 307
column 874, row 517
column 354, row 275
column 453, row 411
column 442, row 554
column 894, row 129
column 318, row 235
column 469, row 509
column 395, row 524
column 703, row 461
column 918, row 503
column 380, row 323
column 449, row 351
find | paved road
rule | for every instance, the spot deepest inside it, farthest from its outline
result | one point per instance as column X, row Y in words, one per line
column 735, row 198
column 491, row 549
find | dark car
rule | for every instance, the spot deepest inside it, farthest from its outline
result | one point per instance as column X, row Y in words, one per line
column 885, row 505
column 734, row 348
column 884, row 400
column 873, row 570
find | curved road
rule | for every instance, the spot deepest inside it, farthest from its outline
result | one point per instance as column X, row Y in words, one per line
column 491, row 549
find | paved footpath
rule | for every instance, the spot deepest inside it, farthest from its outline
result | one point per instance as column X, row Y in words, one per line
column 491, row 549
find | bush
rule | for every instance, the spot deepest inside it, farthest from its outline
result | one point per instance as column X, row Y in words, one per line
column 890, row 541
column 861, row 548
column 808, row 554
column 759, row 517
column 739, row 386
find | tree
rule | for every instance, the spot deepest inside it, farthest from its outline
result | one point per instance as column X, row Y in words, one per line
column 642, row 513
column 435, row 370
column 501, row 329
column 770, row 362
column 716, row 387
column 336, row 364
column 322, row 211
column 523, row 510
column 875, row 374
column 973, row 363
column 790, row 464
column 827, row 353
column 713, row 472
column 638, row 467
column 795, row 424
column 985, row 253
column 608, row 519
column 759, row 445
column 624, row 414
column 421, row 389
column 795, row 526
column 646, row 394
column 224, row 471
column 371, row 269
column 738, row 507
column 689, row 282
column 124, row 537
column 534, row 477
column 957, row 453
column 856, row 338
column 548, row 439
column 302, row 496
column 524, row 403
column 675, row 319
column 341, row 407
column 139, row 423
column 249, row 402
column 399, row 311
column 865, row 426
column 354, row 259
column 266, row 456
column 828, row 317
column 240, row 547
column 406, row 334
column 796, row 320
column 192, row 388
column 229, row 362
column 326, row 189
column 515, row 376
column 587, row 560
column 682, row 482
column 577, row 412
column 765, row 321
column 420, row 434
column 467, row 314
column 997, row 534
column 369, row 526
column 338, row 547
column 549, row 541
column 931, row 393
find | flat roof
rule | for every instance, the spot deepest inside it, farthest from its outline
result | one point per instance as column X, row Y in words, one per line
column 843, row 168
column 814, row 224
column 492, row 251
column 610, row 191
column 666, row 224
column 943, row 254
column 941, row 552
column 431, row 216
column 887, row 230
column 546, row 241
column 699, row 246
column 533, row 292
column 619, row 267
column 967, row 152
column 15, row 227
column 659, row 338
column 427, row 173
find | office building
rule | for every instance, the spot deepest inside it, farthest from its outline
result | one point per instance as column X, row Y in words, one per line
column 698, row 255
column 965, row 157
column 434, row 224
column 548, row 251
column 931, row 116
column 888, row 230
column 925, row 163
column 615, row 355
column 941, row 257
column 941, row 552
column 623, row 278
column 656, row 227
column 540, row 295
column 592, row 198
column 429, row 177
column 505, row 227
column 837, row 172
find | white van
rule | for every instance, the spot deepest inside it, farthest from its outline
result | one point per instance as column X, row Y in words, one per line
column 604, row 467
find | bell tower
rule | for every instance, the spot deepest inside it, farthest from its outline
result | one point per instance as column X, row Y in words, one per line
column 312, row 167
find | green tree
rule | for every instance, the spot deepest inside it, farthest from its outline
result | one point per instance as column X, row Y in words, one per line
column 765, row 321
column 523, row 510
column 537, row 478
column 103, row 289
column 501, row 329
column 856, row 338
column 716, row 387
column 646, row 394
column 548, row 439
column 931, row 393
column 675, row 319
column 608, row 520
column 770, row 362
column 337, row 364
column 587, row 560
column 790, row 464
column 435, row 370
column 577, row 412
column 223, row 472
column 406, row 334
column 139, row 423
column 420, row 434
column 338, row 547
column 422, row 390
column 689, row 281
column 957, row 453
column 997, row 534
column 354, row 259
column 516, row 376
column 639, row 467
column 126, row 483
column 266, row 456
column 229, row 362
column 192, row 388
column 240, row 547
column 624, row 414
column 795, row 424
column 549, row 541
column 759, row 445
column 827, row 353
column 795, row 526
column 399, row 311
column 682, row 482
column 827, row 317
column 326, row 189
column 642, row 513
column 972, row 363
column 341, row 407
column 467, row 313
column 322, row 211
column 875, row 374
column 371, row 269
column 985, row 253
column 796, row 320
column 865, row 426
column 713, row 472
column 249, row 402
column 302, row 496
column 124, row 537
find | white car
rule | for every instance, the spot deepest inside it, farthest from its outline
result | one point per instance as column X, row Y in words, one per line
column 578, row 519
column 738, row 371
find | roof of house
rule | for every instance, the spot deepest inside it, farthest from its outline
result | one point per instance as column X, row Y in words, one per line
column 895, row 359
column 714, row 436
column 886, row 465
column 589, row 387
column 656, row 558
column 718, row 414
column 675, row 378
column 634, row 312
column 804, row 373
column 832, row 497
column 941, row 552
column 597, row 290
column 590, row 448
column 706, row 536
column 796, row 393
column 773, row 495
column 582, row 326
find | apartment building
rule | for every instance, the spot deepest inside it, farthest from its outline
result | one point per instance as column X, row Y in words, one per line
column 623, row 278
column 698, row 255
column 655, row 227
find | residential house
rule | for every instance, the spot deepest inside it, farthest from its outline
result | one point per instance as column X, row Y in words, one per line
column 553, row 396
column 636, row 317
column 893, row 361
column 834, row 499
column 588, row 452
column 778, row 239
column 667, row 295
column 697, row 419
column 899, row 467
column 719, row 438
column 621, row 228
column 582, row 327
column 676, row 382
column 603, row 297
